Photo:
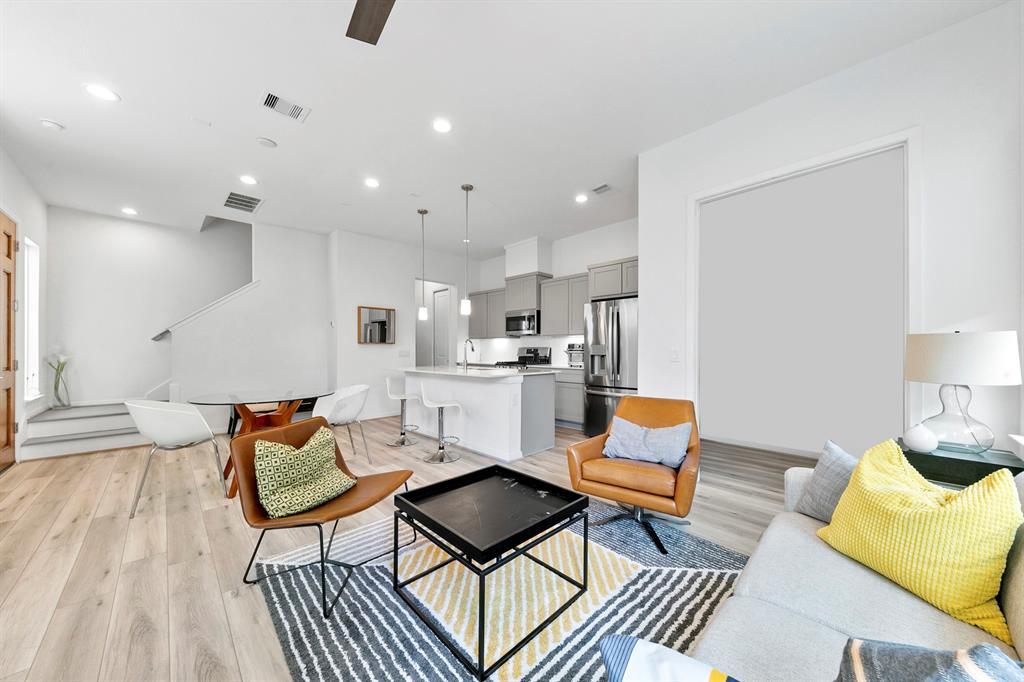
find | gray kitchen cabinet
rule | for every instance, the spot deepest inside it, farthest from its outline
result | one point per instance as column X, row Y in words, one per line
column 569, row 396
column 606, row 281
column 620, row 278
column 554, row 307
column 579, row 296
column 496, row 314
column 478, row 316
column 523, row 292
column 631, row 277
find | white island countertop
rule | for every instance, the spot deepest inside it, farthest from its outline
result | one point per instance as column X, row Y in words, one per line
column 478, row 372
column 501, row 412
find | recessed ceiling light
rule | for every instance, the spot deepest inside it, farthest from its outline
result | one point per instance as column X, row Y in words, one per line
column 128, row 210
column 266, row 142
column 51, row 124
column 465, row 241
column 581, row 198
column 247, row 180
column 373, row 183
column 442, row 125
column 102, row 92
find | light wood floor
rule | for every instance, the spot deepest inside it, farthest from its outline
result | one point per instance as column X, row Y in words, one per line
column 86, row 594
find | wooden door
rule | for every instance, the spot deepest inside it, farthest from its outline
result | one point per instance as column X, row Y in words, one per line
column 442, row 300
column 8, row 247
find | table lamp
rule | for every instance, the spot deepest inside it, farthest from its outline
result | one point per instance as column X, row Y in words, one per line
column 956, row 360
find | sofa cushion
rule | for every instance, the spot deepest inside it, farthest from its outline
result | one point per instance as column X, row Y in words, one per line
column 795, row 569
column 829, row 480
column 948, row 547
column 656, row 479
column 754, row 640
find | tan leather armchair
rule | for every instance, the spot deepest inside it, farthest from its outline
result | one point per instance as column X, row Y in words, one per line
column 643, row 485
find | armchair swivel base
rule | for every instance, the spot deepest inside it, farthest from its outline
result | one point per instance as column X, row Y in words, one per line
column 640, row 516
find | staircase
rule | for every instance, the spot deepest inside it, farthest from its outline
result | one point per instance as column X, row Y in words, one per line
column 84, row 428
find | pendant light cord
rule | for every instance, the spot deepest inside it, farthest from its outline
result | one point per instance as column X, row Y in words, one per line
column 423, row 260
column 466, row 240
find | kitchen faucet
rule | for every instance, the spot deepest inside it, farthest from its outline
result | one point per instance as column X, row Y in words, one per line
column 466, row 347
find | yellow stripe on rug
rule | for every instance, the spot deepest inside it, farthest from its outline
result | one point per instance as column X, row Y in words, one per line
column 519, row 596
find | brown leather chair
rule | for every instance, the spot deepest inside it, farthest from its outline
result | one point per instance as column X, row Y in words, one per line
column 644, row 485
column 368, row 491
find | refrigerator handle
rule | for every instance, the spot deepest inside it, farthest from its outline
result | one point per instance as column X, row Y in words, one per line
column 617, row 358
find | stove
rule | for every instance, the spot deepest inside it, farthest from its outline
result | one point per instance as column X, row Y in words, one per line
column 532, row 355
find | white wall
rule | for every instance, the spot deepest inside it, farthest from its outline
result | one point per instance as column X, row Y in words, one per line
column 960, row 89
column 272, row 336
column 21, row 203
column 116, row 283
column 572, row 255
column 377, row 272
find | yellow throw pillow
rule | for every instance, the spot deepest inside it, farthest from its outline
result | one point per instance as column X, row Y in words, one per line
column 948, row 547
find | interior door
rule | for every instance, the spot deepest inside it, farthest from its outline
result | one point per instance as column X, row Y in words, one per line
column 442, row 298
column 8, row 244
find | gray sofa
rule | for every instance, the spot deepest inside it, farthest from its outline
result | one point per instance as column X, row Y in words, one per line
column 798, row 600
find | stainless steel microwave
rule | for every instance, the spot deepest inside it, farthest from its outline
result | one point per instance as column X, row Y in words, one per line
column 522, row 322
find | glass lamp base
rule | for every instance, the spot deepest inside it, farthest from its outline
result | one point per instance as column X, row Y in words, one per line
column 954, row 427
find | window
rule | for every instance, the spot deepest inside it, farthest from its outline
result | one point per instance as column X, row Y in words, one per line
column 31, row 319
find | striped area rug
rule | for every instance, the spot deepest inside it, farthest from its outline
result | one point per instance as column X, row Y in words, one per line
column 373, row 635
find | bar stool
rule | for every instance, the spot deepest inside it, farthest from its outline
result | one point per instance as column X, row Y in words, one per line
column 402, row 396
column 442, row 456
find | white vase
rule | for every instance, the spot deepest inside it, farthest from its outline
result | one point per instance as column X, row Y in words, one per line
column 920, row 439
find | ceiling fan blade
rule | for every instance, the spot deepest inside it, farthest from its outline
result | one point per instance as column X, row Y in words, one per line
column 368, row 19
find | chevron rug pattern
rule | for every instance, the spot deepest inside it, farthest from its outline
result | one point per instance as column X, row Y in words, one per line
column 374, row 636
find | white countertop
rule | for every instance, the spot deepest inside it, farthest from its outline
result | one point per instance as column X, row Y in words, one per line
column 478, row 372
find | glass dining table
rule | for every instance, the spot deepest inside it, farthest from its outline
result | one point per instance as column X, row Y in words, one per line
column 287, row 400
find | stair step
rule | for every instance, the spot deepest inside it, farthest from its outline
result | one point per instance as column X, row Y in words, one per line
column 80, row 412
column 59, row 438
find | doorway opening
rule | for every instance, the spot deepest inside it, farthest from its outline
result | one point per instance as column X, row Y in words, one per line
column 435, row 336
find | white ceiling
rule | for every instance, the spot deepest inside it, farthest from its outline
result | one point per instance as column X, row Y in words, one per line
column 546, row 99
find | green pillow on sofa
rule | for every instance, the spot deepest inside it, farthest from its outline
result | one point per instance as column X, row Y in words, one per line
column 291, row 480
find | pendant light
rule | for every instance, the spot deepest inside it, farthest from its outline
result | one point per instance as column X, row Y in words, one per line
column 465, row 306
column 422, row 313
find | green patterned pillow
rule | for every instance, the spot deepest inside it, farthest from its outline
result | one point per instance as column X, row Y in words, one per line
column 291, row 480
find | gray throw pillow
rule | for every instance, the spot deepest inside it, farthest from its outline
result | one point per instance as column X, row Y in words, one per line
column 662, row 446
column 829, row 480
column 866, row 660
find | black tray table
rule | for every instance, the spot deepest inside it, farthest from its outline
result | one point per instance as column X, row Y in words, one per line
column 481, row 519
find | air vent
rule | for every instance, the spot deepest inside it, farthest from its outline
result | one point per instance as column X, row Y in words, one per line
column 285, row 108
column 600, row 189
column 242, row 202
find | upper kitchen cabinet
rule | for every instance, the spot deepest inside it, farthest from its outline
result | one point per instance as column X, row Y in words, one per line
column 496, row 314
column 561, row 305
column 523, row 292
column 478, row 316
column 487, row 314
column 579, row 296
column 618, row 278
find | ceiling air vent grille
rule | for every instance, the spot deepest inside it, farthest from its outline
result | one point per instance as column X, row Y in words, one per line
column 601, row 189
column 285, row 108
column 243, row 202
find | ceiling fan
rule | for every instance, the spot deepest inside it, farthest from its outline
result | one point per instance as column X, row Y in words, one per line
column 368, row 19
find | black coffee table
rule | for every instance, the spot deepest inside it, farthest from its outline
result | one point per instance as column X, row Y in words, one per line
column 482, row 520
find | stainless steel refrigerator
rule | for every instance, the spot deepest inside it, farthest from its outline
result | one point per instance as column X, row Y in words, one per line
column 609, row 359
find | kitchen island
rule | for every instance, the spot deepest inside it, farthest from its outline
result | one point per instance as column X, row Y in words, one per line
column 505, row 413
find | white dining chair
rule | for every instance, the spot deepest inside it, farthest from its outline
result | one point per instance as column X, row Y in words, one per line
column 342, row 408
column 442, row 456
column 397, row 392
column 171, row 426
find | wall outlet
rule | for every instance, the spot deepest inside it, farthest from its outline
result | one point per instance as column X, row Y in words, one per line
column 403, row 353
column 673, row 355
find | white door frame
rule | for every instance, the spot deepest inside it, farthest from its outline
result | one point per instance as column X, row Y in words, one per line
column 910, row 141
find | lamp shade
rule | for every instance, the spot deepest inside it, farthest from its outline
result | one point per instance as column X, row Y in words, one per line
column 968, row 358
